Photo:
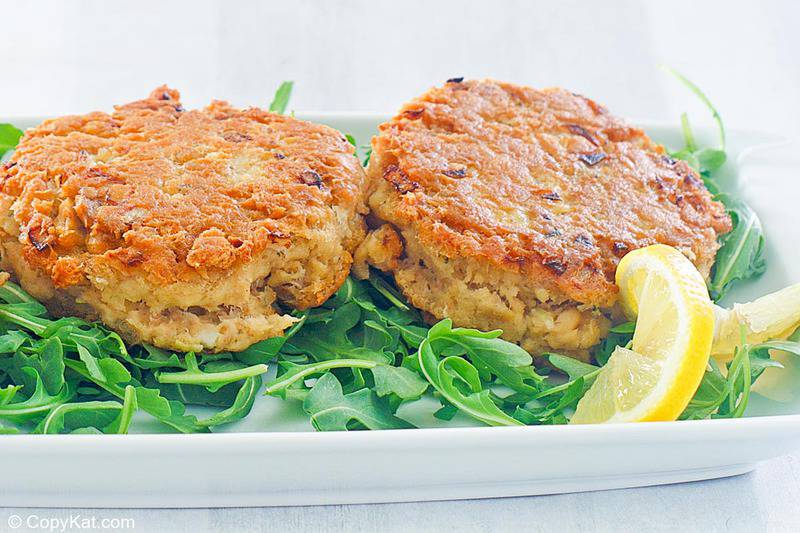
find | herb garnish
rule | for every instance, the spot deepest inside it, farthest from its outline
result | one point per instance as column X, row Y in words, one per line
column 741, row 253
column 9, row 137
column 726, row 395
column 281, row 99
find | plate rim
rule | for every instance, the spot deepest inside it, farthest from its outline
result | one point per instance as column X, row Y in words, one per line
column 645, row 430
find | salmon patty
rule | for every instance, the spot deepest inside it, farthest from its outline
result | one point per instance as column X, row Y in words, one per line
column 183, row 229
column 502, row 206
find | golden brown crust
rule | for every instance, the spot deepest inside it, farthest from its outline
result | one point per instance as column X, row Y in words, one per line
column 182, row 228
column 541, row 183
column 169, row 193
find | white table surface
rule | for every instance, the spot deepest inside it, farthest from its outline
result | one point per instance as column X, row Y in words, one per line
column 371, row 55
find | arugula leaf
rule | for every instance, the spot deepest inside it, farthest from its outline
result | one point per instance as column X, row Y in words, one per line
column 262, row 352
column 8, row 393
column 709, row 395
column 741, row 253
column 100, row 416
column 570, row 366
column 9, row 137
column 170, row 412
column 710, row 159
column 387, row 291
column 297, row 373
column 13, row 314
column 512, row 365
column 625, row 327
column 329, row 340
column 11, row 293
column 760, row 358
column 38, row 404
column 129, row 407
column 577, row 371
column 281, row 99
column 212, row 380
column 388, row 379
column 195, row 394
column 458, row 381
column 332, row 410
column 398, row 317
column 351, row 291
column 70, row 417
column 619, row 335
column 553, row 412
column 156, row 358
column 241, row 406
column 12, row 340
column 91, row 362
column 404, row 383
column 150, row 400
column 447, row 412
column 703, row 98
column 726, row 396
column 45, row 356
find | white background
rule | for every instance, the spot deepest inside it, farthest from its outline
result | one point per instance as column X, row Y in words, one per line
column 362, row 55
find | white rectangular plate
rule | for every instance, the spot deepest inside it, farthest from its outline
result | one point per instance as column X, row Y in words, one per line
column 273, row 458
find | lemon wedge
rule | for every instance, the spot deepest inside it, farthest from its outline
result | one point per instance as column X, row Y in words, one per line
column 664, row 293
column 774, row 316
